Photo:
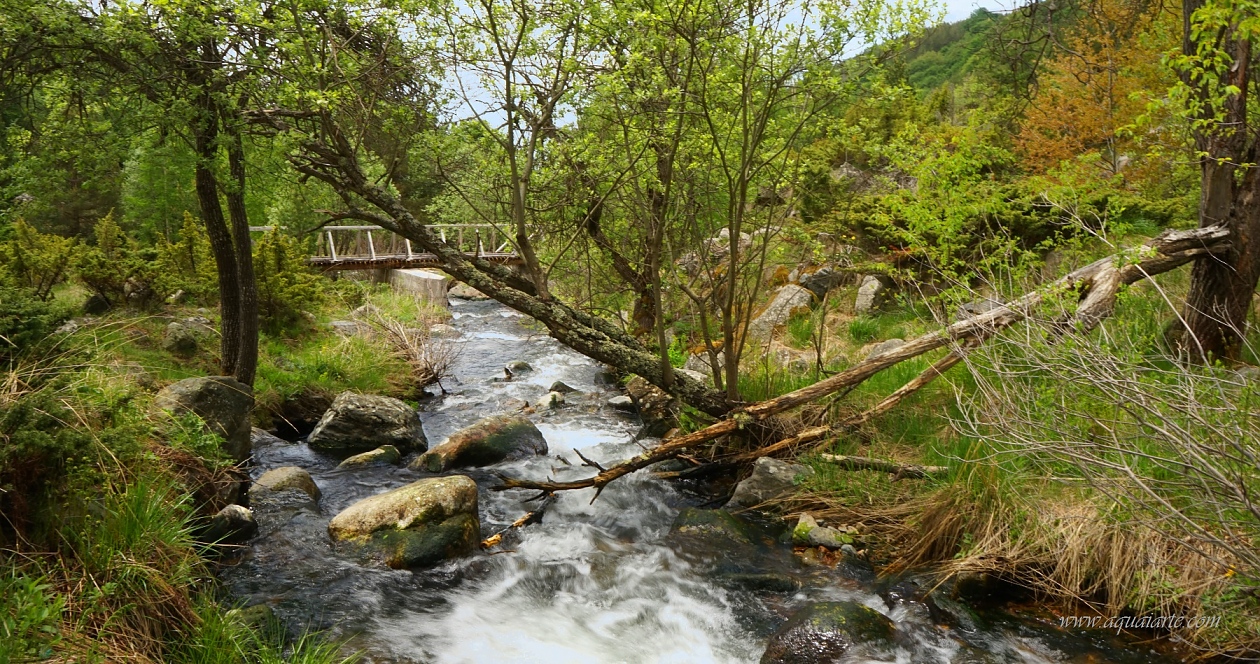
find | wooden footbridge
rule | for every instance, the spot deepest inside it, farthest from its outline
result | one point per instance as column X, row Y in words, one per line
column 374, row 248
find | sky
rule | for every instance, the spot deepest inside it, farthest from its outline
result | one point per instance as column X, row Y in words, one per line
column 957, row 10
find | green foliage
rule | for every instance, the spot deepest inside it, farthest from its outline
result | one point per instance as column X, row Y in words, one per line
column 945, row 53
column 863, row 329
column 157, row 187
column 286, row 285
column 36, row 261
column 188, row 263
column 30, row 613
column 116, row 267
column 25, row 321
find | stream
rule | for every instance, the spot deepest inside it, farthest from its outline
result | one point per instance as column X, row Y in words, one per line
column 593, row 582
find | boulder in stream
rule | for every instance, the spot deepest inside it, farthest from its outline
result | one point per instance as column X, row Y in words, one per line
column 232, row 525
column 362, row 422
column 827, row 631
column 770, row 479
column 418, row 524
column 657, row 408
column 286, row 478
column 713, row 524
column 382, row 456
column 485, row 442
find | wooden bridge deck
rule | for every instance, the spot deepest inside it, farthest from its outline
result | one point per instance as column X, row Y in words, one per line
column 374, row 248
column 401, row 261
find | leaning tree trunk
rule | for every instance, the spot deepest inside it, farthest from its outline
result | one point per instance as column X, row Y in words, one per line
column 1222, row 287
column 205, row 133
column 247, row 350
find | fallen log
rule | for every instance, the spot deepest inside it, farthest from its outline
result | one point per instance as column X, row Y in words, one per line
column 1095, row 286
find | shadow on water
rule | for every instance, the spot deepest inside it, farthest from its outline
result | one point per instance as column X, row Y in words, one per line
column 601, row 582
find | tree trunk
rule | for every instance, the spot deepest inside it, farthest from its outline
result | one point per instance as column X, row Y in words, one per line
column 247, row 350
column 205, row 132
column 1221, row 288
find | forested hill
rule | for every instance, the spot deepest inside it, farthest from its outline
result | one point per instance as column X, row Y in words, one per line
column 944, row 54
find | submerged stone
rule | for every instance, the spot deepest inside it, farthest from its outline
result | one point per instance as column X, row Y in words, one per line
column 419, row 524
column 713, row 523
column 485, row 442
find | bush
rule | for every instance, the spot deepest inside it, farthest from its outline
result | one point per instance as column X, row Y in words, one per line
column 25, row 320
column 36, row 261
column 115, row 267
column 285, row 284
column 188, row 264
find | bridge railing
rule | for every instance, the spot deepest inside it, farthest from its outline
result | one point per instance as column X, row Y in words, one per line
column 337, row 243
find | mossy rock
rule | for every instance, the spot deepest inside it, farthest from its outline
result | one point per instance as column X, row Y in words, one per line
column 419, row 524
column 381, row 456
column 485, row 442
column 713, row 524
column 827, row 631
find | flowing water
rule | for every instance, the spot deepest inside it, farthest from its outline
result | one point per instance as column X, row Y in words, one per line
column 593, row 582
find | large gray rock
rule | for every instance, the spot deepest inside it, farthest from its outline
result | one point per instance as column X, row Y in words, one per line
column 770, row 479
column 827, row 631
column 283, row 479
column 485, row 442
column 872, row 294
column 362, row 422
column 422, row 523
column 790, row 299
column 221, row 402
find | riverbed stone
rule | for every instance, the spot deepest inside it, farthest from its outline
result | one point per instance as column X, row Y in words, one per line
column 419, row 524
column 518, row 366
column 623, row 403
column 381, row 456
column 485, row 442
column 462, row 291
column 232, row 525
column 284, row 478
column 553, row 400
column 762, row 581
column 362, row 422
column 222, row 403
column 262, row 438
column 827, row 631
column 561, row 387
column 808, row 533
column 770, row 479
column 789, row 300
column 718, row 524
